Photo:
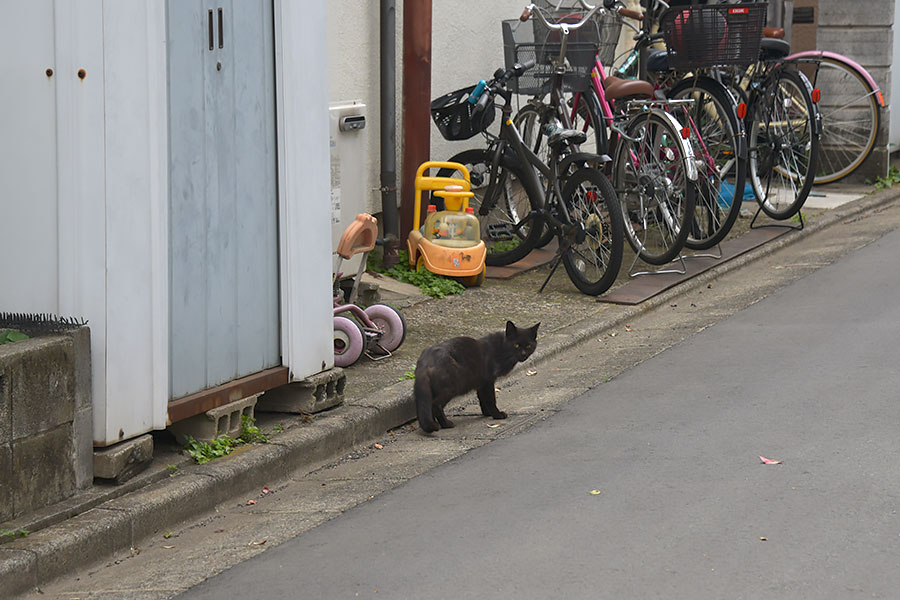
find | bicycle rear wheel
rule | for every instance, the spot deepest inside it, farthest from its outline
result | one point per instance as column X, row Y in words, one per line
column 506, row 228
column 651, row 182
column 783, row 143
column 850, row 119
column 594, row 255
column 716, row 132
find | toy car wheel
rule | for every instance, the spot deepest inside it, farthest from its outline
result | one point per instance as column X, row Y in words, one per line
column 348, row 342
column 390, row 322
column 473, row 280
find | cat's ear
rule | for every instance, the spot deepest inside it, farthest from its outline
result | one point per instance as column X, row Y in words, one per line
column 510, row 329
column 533, row 330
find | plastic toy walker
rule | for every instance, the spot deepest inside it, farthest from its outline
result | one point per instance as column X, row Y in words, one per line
column 379, row 329
column 449, row 242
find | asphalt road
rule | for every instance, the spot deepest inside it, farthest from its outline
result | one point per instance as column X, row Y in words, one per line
column 683, row 506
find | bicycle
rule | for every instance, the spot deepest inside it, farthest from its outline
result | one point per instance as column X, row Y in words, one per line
column 850, row 106
column 717, row 131
column 653, row 168
column 579, row 205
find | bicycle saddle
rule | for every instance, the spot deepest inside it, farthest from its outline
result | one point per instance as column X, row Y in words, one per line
column 560, row 137
column 772, row 48
column 773, row 32
column 616, row 87
column 658, row 61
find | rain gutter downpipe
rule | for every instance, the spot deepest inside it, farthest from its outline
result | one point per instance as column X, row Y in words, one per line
column 416, row 101
column 389, row 211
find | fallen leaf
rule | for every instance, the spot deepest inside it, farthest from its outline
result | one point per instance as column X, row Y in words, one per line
column 493, row 425
column 769, row 461
column 596, row 492
column 167, row 535
column 168, row 547
column 265, row 491
column 257, row 543
column 530, row 372
column 762, row 539
column 628, row 328
column 378, row 446
column 251, row 502
column 612, row 334
column 496, row 390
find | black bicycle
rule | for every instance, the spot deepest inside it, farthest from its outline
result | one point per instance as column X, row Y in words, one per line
column 578, row 205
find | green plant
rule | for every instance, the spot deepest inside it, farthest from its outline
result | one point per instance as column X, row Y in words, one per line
column 407, row 375
column 14, row 533
column 11, row 335
column 893, row 177
column 203, row 452
column 172, row 468
column 250, row 433
column 430, row 283
column 504, row 245
column 278, row 428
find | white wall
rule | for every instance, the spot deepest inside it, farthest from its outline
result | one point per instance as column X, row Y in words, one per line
column 467, row 45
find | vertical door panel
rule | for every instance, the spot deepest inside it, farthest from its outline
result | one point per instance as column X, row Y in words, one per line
column 224, row 281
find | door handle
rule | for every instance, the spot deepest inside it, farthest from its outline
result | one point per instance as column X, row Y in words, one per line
column 221, row 30
column 210, row 21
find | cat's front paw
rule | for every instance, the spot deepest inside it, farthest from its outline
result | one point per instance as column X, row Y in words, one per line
column 448, row 424
column 499, row 415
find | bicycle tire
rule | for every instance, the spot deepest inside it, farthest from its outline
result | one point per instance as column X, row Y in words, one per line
column 850, row 123
column 783, row 143
column 529, row 123
column 656, row 208
column 722, row 169
column 507, row 237
column 593, row 263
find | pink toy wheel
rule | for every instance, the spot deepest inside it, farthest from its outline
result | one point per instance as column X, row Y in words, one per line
column 391, row 324
column 348, row 342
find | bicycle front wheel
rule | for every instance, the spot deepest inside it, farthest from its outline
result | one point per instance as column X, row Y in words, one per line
column 715, row 134
column 783, row 143
column 651, row 182
column 508, row 228
column 594, row 256
column 850, row 119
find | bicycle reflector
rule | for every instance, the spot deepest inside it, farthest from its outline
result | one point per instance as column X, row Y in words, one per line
column 816, row 95
column 685, row 133
column 742, row 111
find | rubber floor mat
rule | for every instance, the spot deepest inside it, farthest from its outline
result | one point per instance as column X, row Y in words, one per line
column 642, row 287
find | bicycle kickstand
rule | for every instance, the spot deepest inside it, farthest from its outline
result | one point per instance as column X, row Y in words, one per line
column 556, row 260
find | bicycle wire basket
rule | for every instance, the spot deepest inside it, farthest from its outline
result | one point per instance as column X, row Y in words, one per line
column 533, row 41
column 453, row 114
column 713, row 35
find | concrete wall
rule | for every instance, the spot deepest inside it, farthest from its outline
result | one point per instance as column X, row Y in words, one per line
column 46, row 450
column 864, row 32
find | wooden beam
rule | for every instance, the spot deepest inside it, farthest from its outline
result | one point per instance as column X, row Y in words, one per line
column 199, row 403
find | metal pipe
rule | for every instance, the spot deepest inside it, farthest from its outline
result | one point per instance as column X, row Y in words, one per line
column 416, row 101
column 390, row 217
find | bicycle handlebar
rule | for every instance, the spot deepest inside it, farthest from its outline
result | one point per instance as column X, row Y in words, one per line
column 499, row 82
column 565, row 28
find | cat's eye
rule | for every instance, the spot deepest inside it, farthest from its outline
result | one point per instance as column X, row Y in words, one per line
column 517, row 346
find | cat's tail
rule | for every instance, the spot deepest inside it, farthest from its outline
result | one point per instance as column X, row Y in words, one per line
column 424, row 402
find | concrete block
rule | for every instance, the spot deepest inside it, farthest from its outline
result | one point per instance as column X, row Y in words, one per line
column 42, row 470
column 867, row 46
column 40, row 381
column 81, row 360
column 124, row 460
column 860, row 14
column 314, row 394
column 83, row 447
column 223, row 420
column 6, row 475
column 5, row 412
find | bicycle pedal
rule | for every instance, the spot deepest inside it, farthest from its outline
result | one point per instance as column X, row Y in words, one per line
column 499, row 232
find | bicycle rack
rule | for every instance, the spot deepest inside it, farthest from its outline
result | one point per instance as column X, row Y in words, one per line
column 797, row 227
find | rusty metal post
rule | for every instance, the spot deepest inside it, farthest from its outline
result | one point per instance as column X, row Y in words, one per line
column 416, row 101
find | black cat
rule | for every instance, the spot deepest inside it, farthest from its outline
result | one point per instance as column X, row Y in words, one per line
column 462, row 364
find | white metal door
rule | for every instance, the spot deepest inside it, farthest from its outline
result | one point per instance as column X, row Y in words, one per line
column 224, row 314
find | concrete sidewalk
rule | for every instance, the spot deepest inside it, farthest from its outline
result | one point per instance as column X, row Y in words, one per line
column 110, row 520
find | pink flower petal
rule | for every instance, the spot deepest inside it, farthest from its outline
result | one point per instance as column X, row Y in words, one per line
column 769, row 461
